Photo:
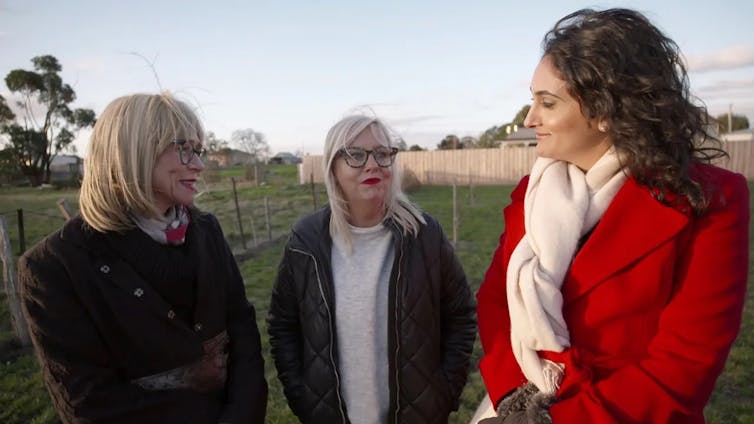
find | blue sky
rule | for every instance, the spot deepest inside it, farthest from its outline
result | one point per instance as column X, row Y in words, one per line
column 291, row 69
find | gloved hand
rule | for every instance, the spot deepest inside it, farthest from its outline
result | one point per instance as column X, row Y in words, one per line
column 517, row 418
column 525, row 405
column 512, row 418
column 492, row 420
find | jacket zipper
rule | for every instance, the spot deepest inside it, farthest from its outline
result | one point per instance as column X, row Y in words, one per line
column 332, row 339
column 398, row 333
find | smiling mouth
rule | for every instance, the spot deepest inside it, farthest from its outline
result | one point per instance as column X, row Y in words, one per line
column 190, row 184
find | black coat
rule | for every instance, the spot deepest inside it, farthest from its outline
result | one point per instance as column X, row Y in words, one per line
column 432, row 326
column 97, row 324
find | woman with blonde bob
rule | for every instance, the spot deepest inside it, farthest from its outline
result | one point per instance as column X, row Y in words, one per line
column 136, row 307
column 371, row 318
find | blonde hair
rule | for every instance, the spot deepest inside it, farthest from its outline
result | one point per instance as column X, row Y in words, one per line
column 402, row 211
column 127, row 139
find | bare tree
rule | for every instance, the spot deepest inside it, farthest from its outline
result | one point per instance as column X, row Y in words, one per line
column 214, row 144
column 251, row 142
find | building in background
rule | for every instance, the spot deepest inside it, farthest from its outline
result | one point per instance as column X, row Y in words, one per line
column 521, row 136
column 228, row 157
column 66, row 168
column 739, row 135
column 284, row 158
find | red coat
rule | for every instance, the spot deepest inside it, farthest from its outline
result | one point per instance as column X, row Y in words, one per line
column 653, row 302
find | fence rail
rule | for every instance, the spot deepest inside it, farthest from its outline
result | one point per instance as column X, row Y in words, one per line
column 500, row 166
column 247, row 221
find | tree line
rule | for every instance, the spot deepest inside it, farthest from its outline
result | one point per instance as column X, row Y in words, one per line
column 493, row 136
column 45, row 124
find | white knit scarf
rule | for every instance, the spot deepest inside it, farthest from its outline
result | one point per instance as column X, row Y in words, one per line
column 561, row 205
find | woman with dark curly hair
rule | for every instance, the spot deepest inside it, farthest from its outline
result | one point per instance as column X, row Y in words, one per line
column 618, row 286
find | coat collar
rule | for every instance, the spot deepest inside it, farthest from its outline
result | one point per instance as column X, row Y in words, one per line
column 312, row 232
column 111, row 267
column 635, row 223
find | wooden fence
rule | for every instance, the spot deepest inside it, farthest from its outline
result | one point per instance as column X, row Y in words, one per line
column 499, row 166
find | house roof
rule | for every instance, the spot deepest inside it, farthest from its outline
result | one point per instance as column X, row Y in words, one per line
column 746, row 134
column 228, row 151
column 522, row 134
column 284, row 154
column 65, row 160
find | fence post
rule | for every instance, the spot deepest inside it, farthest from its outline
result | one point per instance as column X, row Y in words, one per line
column 21, row 233
column 9, row 284
column 256, row 175
column 314, row 191
column 253, row 229
column 471, row 194
column 63, row 206
column 455, row 215
column 238, row 213
column 267, row 217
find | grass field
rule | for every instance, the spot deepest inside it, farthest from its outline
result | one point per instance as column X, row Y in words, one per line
column 23, row 398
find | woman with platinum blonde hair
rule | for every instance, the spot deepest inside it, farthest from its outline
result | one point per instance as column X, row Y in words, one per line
column 396, row 204
column 371, row 318
column 136, row 308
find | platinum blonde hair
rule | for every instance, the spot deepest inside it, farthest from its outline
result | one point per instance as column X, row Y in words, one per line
column 127, row 139
column 402, row 211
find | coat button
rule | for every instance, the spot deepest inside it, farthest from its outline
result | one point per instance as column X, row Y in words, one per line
column 198, row 326
column 138, row 292
column 171, row 314
column 104, row 269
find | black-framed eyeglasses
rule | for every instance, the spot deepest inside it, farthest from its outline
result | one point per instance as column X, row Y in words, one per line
column 186, row 151
column 357, row 157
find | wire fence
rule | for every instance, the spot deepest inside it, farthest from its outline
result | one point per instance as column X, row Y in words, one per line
column 249, row 215
column 26, row 227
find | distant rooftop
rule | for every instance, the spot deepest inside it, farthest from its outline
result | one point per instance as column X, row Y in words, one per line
column 523, row 134
column 746, row 134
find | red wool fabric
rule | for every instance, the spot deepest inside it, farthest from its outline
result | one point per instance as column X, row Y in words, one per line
column 653, row 302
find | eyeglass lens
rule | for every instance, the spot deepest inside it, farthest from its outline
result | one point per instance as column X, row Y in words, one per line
column 186, row 151
column 358, row 157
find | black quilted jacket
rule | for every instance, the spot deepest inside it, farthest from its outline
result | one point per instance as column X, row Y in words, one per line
column 98, row 322
column 432, row 315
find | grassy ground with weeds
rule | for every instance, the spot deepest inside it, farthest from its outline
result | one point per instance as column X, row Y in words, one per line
column 23, row 398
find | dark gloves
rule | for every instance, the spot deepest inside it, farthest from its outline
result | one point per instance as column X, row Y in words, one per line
column 526, row 405
column 492, row 420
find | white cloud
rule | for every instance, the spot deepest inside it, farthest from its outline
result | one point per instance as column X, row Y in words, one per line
column 723, row 86
column 92, row 64
column 410, row 120
column 727, row 58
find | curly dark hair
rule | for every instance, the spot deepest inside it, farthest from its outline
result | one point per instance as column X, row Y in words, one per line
column 625, row 71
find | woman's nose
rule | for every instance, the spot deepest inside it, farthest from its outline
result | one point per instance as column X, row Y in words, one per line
column 371, row 161
column 529, row 120
column 196, row 163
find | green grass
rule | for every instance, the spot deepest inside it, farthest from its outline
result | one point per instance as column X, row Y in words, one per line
column 41, row 214
column 23, row 399
column 231, row 172
column 733, row 398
